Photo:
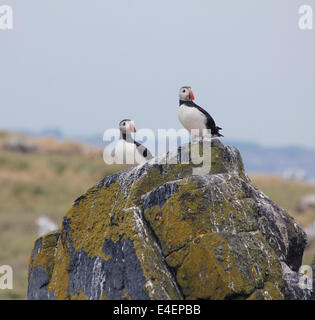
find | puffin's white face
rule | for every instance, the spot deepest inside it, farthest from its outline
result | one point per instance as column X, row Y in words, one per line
column 186, row 94
column 127, row 126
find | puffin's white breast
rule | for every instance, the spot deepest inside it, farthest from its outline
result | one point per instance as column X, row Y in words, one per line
column 191, row 118
column 127, row 153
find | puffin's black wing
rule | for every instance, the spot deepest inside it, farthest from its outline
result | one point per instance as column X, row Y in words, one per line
column 210, row 122
column 143, row 150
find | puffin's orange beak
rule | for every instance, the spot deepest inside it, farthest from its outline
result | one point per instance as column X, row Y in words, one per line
column 133, row 128
column 191, row 95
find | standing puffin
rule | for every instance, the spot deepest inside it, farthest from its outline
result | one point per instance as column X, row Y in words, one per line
column 192, row 116
column 127, row 150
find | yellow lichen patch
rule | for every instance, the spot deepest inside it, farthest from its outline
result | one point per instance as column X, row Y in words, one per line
column 176, row 258
column 60, row 278
column 263, row 260
column 177, row 224
column 45, row 258
column 78, row 296
column 216, row 161
column 102, row 215
column 269, row 292
column 126, row 295
column 154, row 178
column 158, row 175
column 103, row 297
column 209, row 272
column 152, row 264
column 225, row 266
column 254, row 272
column 90, row 220
column 189, row 213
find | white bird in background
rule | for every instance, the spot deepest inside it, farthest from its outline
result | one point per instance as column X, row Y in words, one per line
column 45, row 225
column 127, row 150
column 193, row 117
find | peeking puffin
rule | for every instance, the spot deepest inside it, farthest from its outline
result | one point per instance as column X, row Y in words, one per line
column 127, row 150
column 192, row 116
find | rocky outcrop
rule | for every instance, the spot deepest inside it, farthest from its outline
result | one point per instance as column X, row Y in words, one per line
column 157, row 231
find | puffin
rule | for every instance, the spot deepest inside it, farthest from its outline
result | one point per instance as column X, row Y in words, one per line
column 127, row 150
column 192, row 116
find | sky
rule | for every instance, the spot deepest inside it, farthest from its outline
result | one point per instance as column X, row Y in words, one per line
column 82, row 66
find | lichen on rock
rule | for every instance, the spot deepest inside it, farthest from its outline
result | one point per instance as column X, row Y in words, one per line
column 156, row 231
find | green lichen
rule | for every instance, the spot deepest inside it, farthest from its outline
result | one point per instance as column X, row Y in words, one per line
column 269, row 292
column 126, row 295
column 241, row 169
column 160, row 174
column 154, row 178
column 184, row 226
column 192, row 211
column 223, row 266
column 217, row 165
column 78, row 296
column 59, row 282
column 202, row 276
column 45, row 257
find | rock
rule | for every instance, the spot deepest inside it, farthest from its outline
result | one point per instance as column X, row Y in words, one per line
column 313, row 270
column 156, row 231
column 292, row 288
column 43, row 261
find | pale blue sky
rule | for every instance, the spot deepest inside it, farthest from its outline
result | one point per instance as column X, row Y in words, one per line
column 82, row 66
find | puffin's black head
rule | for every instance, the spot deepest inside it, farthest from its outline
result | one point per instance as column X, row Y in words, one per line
column 186, row 94
column 127, row 125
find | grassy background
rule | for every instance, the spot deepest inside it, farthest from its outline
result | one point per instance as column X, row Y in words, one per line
column 47, row 183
